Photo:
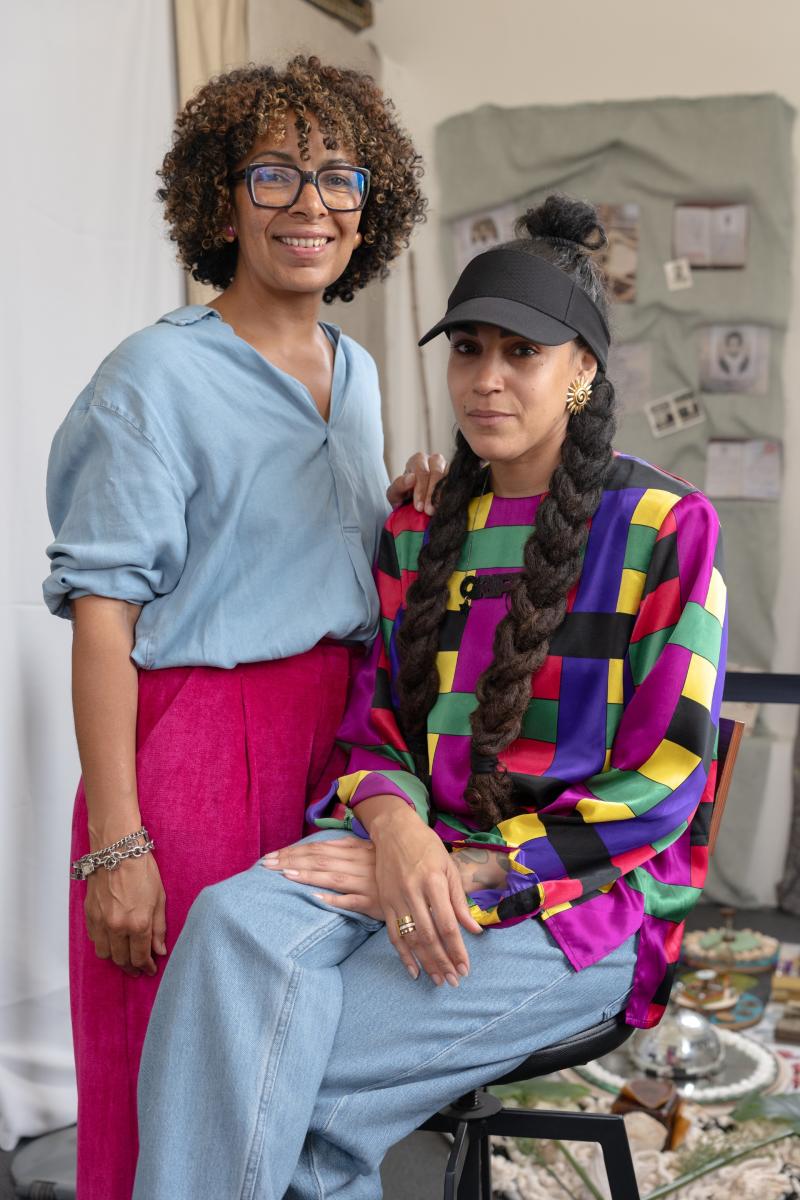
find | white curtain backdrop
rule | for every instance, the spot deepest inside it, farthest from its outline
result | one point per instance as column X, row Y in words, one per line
column 88, row 97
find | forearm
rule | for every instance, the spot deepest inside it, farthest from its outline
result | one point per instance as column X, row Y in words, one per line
column 105, row 697
column 384, row 816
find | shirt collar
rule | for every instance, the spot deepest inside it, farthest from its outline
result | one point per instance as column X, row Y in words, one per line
column 189, row 314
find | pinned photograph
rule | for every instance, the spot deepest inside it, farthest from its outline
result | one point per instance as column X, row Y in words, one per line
column 619, row 259
column 734, row 358
column 674, row 412
column 630, row 369
column 678, row 273
column 743, row 469
column 711, row 235
column 482, row 230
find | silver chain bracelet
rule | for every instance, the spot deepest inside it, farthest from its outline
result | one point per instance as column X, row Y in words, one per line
column 111, row 856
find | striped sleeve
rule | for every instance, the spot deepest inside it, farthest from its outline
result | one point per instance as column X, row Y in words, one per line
column 379, row 760
column 667, row 690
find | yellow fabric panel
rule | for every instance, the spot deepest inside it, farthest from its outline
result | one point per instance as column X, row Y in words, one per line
column 523, row 828
column 433, row 741
column 446, row 666
column 518, row 866
column 715, row 600
column 615, row 692
column 670, row 764
column 347, row 784
column 700, row 680
column 607, row 763
column 484, row 916
column 478, row 511
column 631, row 586
column 653, row 507
column 546, row 913
column 454, row 597
column 593, row 810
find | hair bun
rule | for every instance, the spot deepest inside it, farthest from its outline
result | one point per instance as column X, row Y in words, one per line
column 563, row 221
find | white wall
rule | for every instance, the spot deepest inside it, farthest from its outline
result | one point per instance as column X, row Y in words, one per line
column 451, row 56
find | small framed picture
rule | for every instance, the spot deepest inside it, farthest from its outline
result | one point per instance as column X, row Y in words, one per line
column 674, row 412
column 482, row 230
column 678, row 274
column 711, row 235
column 620, row 258
column 734, row 358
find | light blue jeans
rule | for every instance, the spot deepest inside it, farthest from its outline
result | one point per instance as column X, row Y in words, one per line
column 289, row 1048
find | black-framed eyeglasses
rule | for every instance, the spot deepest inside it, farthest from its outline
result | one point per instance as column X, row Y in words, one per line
column 278, row 185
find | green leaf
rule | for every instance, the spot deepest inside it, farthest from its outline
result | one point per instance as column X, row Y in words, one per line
column 549, row 1091
column 785, row 1106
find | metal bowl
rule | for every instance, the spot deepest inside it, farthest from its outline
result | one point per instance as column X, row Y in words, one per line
column 684, row 1046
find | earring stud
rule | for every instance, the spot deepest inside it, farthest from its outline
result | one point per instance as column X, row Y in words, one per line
column 579, row 393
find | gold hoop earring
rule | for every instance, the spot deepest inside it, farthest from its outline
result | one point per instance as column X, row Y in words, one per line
column 579, row 393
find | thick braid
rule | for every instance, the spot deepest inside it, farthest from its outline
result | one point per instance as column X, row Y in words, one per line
column 552, row 562
column 426, row 602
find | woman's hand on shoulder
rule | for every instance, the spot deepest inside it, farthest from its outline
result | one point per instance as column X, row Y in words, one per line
column 423, row 472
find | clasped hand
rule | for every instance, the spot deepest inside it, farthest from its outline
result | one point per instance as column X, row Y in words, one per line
column 412, row 875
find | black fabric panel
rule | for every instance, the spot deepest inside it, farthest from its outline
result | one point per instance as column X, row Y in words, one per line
column 452, row 630
column 382, row 695
column 520, row 904
column 535, row 791
column 593, row 635
column 629, row 473
column 579, row 846
column 387, row 555
column 663, row 563
column 691, row 727
column 701, row 823
column 665, row 987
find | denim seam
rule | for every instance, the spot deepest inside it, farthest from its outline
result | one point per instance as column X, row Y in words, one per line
column 450, row 1046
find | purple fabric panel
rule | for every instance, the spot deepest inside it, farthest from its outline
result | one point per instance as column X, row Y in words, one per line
column 538, row 855
column 651, row 961
column 517, row 510
column 673, row 865
column 581, row 736
column 719, row 685
column 593, row 929
column 475, row 653
column 356, row 726
column 678, row 806
column 697, row 526
column 645, row 720
column 605, row 552
column 567, row 800
column 451, row 765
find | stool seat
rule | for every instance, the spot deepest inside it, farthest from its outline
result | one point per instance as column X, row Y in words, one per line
column 572, row 1052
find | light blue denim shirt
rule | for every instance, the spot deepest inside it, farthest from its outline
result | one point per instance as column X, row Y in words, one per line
column 195, row 478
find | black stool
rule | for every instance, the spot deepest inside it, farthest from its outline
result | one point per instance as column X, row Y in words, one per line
column 476, row 1116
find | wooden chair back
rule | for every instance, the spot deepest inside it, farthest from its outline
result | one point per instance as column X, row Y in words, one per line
column 730, row 738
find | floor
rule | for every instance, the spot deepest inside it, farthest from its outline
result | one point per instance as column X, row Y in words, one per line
column 414, row 1169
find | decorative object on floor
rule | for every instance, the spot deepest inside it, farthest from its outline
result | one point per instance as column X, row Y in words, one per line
column 657, row 1099
column 752, row 1153
column 683, row 1046
column 786, row 980
column 729, row 949
column 788, row 1027
column 725, row 998
column 748, row 1066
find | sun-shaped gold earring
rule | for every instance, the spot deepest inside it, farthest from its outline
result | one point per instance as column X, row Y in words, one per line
column 579, row 393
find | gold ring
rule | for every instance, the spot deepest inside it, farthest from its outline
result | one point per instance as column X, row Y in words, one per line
column 406, row 924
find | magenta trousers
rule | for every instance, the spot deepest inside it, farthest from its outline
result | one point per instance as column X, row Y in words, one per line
column 226, row 762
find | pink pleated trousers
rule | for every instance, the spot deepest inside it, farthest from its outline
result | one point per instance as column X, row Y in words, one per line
column 226, row 762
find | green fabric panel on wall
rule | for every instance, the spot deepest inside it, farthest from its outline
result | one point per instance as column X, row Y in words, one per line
column 656, row 153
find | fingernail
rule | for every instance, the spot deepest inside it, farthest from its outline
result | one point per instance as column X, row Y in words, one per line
column 161, row 948
column 418, row 505
column 287, row 871
column 452, row 979
column 462, row 969
column 271, row 866
column 413, row 972
column 437, row 979
column 272, row 854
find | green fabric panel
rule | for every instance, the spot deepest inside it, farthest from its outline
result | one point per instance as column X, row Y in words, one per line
column 644, row 653
column 613, row 717
column 402, row 757
column 451, row 712
column 541, row 720
column 411, row 785
column 667, row 901
column 386, row 631
column 656, row 153
column 639, row 547
column 408, row 545
column 698, row 631
column 500, row 547
column 628, row 787
column 669, row 838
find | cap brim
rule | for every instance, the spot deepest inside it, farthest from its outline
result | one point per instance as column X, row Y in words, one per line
column 506, row 314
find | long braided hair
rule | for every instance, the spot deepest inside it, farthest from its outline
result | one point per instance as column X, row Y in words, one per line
column 564, row 232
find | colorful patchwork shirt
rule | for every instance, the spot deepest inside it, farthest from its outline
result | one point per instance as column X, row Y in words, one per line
column 615, row 766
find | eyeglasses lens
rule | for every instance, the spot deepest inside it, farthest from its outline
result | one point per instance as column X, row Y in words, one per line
column 341, row 188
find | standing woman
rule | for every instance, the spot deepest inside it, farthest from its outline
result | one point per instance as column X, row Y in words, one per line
column 532, row 748
column 216, row 495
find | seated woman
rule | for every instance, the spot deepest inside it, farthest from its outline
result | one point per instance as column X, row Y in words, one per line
column 535, row 728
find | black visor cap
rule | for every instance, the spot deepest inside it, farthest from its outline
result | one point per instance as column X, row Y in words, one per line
column 524, row 294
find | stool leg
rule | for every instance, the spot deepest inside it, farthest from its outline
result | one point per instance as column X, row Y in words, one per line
column 486, row 1168
column 469, row 1187
column 619, row 1163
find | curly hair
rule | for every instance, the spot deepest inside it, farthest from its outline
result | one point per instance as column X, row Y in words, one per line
column 220, row 124
column 565, row 232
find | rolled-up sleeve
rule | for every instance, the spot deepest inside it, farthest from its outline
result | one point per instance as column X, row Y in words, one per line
column 117, row 513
